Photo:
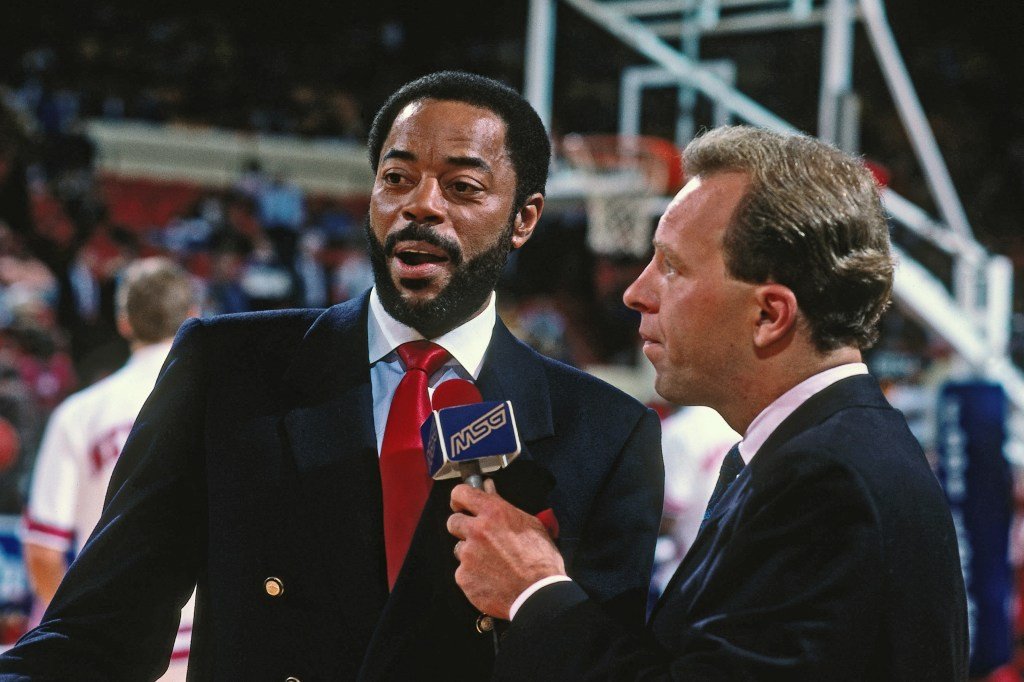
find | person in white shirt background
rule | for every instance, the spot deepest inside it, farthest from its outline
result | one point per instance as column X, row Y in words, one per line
column 86, row 433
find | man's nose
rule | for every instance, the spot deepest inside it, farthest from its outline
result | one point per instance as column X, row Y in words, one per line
column 640, row 294
column 425, row 203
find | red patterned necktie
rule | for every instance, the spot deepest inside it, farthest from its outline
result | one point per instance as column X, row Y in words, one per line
column 405, row 484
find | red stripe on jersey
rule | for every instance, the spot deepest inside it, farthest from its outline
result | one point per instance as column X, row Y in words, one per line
column 181, row 649
column 37, row 527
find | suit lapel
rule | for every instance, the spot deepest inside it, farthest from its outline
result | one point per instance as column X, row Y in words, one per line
column 514, row 372
column 329, row 430
column 700, row 548
column 861, row 389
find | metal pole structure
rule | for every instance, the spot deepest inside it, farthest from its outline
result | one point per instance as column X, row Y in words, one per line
column 978, row 333
column 636, row 79
column 836, row 70
column 631, row 84
column 720, row 115
column 686, row 98
column 999, row 304
column 849, row 123
column 540, row 58
column 800, row 8
column 912, row 114
column 644, row 41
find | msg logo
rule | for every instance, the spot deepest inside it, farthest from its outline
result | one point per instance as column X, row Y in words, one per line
column 478, row 430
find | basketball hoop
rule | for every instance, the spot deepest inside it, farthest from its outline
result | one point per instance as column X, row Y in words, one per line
column 622, row 173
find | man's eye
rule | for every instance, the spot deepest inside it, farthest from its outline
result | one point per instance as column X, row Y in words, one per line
column 392, row 178
column 464, row 187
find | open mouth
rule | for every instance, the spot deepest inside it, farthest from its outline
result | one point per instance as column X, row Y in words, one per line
column 416, row 263
column 413, row 257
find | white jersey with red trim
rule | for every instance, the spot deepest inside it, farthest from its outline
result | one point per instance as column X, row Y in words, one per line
column 80, row 446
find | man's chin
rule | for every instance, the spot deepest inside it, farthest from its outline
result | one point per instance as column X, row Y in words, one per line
column 419, row 291
column 442, row 295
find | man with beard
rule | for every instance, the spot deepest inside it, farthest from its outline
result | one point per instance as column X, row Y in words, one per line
column 278, row 464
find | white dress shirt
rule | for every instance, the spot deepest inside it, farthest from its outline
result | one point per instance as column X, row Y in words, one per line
column 466, row 344
column 768, row 420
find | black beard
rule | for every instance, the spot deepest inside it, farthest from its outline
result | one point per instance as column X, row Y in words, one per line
column 471, row 283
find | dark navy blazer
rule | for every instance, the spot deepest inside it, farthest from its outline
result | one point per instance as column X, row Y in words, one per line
column 831, row 557
column 255, row 458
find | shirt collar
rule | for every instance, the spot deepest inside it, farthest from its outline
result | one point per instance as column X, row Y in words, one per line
column 153, row 353
column 765, row 423
column 466, row 343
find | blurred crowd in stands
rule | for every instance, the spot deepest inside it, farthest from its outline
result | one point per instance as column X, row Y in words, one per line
column 67, row 231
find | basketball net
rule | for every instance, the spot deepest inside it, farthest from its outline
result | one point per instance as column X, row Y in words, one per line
column 622, row 174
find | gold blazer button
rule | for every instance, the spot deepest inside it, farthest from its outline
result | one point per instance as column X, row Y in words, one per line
column 275, row 588
column 484, row 623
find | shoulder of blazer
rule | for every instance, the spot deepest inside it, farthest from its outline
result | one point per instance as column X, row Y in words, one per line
column 861, row 390
column 291, row 349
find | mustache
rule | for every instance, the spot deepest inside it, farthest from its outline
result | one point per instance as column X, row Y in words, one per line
column 419, row 232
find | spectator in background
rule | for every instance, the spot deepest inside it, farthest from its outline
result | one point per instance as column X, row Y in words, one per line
column 224, row 291
column 342, row 255
column 86, row 433
column 42, row 362
column 253, row 181
column 19, row 413
column 14, row 199
column 97, row 345
column 282, row 212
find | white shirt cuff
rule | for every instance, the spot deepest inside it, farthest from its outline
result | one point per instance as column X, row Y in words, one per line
column 529, row 592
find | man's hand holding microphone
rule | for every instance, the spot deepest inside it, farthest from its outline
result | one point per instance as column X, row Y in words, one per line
column 502, row 550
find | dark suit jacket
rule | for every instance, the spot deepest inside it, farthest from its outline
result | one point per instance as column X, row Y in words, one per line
column 255, row 457
column 831, row 557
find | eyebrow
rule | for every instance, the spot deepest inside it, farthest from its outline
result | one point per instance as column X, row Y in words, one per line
column 398, row 154
column 464, row 161
column 469, row 162
column 666, row 250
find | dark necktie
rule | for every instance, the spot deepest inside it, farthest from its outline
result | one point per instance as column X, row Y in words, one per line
column 405, row 484
column 732, row 465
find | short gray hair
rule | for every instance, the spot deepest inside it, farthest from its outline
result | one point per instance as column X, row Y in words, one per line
column 812, row 220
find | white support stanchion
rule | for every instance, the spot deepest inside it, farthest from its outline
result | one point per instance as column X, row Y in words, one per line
column 912, row 114
column 999, row 304
column 540, row 58
column 836, row 69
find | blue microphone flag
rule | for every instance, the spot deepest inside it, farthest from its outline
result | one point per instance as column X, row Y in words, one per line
column 485, row 432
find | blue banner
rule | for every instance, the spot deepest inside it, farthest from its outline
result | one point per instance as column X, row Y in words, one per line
column 979, row 486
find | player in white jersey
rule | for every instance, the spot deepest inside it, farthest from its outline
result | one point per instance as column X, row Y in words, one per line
column 87, row 431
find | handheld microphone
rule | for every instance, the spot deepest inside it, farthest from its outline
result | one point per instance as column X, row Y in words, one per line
column 467, row 437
